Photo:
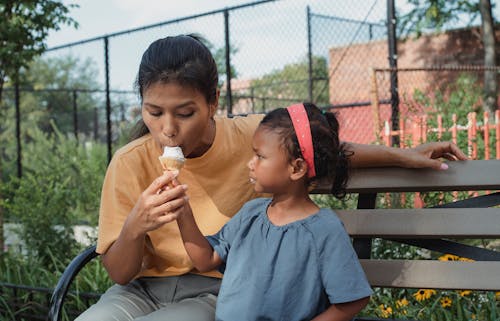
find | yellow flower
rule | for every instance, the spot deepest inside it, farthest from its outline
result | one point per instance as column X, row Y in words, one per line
column 464, row 259
column 449, row 257
column 446, row 302
column 423, row 294
column 465, row 292
column 401, row 303
column 497, row 296
column 385, row 311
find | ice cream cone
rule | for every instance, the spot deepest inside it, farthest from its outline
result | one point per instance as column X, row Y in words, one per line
column 170, row 164
column 172, row 159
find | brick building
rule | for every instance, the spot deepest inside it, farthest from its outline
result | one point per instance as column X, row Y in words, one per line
column 350, row 70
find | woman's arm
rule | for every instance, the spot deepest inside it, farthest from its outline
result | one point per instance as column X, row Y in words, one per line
column 154, row 208
column 421, row 156
column 342, row 311
column 202, row 254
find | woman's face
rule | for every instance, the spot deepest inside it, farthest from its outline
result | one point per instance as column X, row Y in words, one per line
column 179, row 116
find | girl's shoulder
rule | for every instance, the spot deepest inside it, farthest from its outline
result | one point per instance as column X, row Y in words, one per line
column 326, row 223
column 253, row 208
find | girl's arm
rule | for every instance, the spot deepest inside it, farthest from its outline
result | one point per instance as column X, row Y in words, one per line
column 202, row 254
column 421, row 156
column 342, row 311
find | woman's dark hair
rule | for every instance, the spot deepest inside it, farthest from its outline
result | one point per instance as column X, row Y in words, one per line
column 331, row 157
column 183, row 60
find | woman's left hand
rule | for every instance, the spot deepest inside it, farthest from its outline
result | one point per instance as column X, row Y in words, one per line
column 427, row 155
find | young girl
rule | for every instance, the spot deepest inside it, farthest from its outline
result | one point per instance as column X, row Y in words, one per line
column 283, row 257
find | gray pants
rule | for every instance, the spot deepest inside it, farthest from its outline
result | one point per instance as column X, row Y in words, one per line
column 188, row 297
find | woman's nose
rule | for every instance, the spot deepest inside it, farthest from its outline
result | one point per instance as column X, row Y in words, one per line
column 169, row 127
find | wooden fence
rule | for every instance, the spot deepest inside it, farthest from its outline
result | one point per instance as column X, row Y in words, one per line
column 415, row 130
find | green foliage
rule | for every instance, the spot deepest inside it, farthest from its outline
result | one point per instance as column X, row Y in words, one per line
column 461, row 97
column 435, row 14
column 60, row 187
column 30, row 271
column 408, row 304
column 290, row 84
column 24, row 27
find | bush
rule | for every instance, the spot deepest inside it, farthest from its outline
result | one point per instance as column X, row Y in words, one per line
column 60, row 187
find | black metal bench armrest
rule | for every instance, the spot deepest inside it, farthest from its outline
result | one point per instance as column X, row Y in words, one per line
column 61, row 289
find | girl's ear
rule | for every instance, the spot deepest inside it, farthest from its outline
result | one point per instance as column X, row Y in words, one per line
column 298, row 169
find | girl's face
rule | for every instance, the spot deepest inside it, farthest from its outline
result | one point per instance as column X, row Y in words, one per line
column 270, row 168
column 179, row 116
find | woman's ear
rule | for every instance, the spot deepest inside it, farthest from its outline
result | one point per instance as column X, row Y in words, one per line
column 213, row 107
column 298, row 169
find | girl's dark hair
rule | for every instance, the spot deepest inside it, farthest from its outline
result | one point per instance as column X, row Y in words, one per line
column 183, row 60
column 331, row 157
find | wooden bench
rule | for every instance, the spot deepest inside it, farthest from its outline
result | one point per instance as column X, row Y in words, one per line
column 437, row 229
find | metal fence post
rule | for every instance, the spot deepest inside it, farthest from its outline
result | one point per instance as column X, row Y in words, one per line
column 108, row 101
column 309, row 55
column 17, row 99
column 229, row 96
column 393, row 63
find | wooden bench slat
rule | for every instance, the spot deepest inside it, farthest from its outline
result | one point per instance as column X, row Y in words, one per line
column 460, row 176
column 455, row 275
column 422, row 223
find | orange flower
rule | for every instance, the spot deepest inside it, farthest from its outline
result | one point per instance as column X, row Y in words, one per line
column 464, row 259
column 423, row 294
column 402, row 303
column 446, row 302
column 449, row 257
column 385, row 311
column 465, row 292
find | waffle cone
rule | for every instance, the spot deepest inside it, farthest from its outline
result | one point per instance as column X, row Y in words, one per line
column 170, row 164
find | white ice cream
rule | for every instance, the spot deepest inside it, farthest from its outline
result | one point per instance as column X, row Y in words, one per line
column 173, row 152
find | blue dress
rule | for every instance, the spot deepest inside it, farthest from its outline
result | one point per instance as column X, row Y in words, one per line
column 290, row 272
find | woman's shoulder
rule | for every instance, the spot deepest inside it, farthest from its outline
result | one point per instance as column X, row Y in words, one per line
column 140, row 150
column 241, row 124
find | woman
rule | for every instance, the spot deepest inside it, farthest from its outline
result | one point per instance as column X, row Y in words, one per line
column 140, row 246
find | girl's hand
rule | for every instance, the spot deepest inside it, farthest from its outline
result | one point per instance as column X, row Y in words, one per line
column 159, row 204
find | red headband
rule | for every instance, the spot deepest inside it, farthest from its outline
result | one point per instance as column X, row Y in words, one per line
column 302, row 129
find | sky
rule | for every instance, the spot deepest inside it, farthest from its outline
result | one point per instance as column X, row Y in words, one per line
column 98, row 18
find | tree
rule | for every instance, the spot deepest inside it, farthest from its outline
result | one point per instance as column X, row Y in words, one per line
column 24, row 27
column 290, row 84
column 437, row 13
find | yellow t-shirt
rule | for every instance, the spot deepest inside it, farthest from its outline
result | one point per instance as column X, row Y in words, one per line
column 218, row 185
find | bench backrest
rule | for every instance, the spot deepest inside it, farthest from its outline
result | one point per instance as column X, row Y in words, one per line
column 439, row 229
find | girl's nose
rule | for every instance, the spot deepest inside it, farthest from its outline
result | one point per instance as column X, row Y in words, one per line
column 250, row 163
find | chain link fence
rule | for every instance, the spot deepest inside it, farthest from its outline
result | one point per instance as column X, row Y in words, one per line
column 280, row 52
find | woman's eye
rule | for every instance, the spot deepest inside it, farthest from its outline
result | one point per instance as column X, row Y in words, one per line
column 186, row 115
column 155, row 113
